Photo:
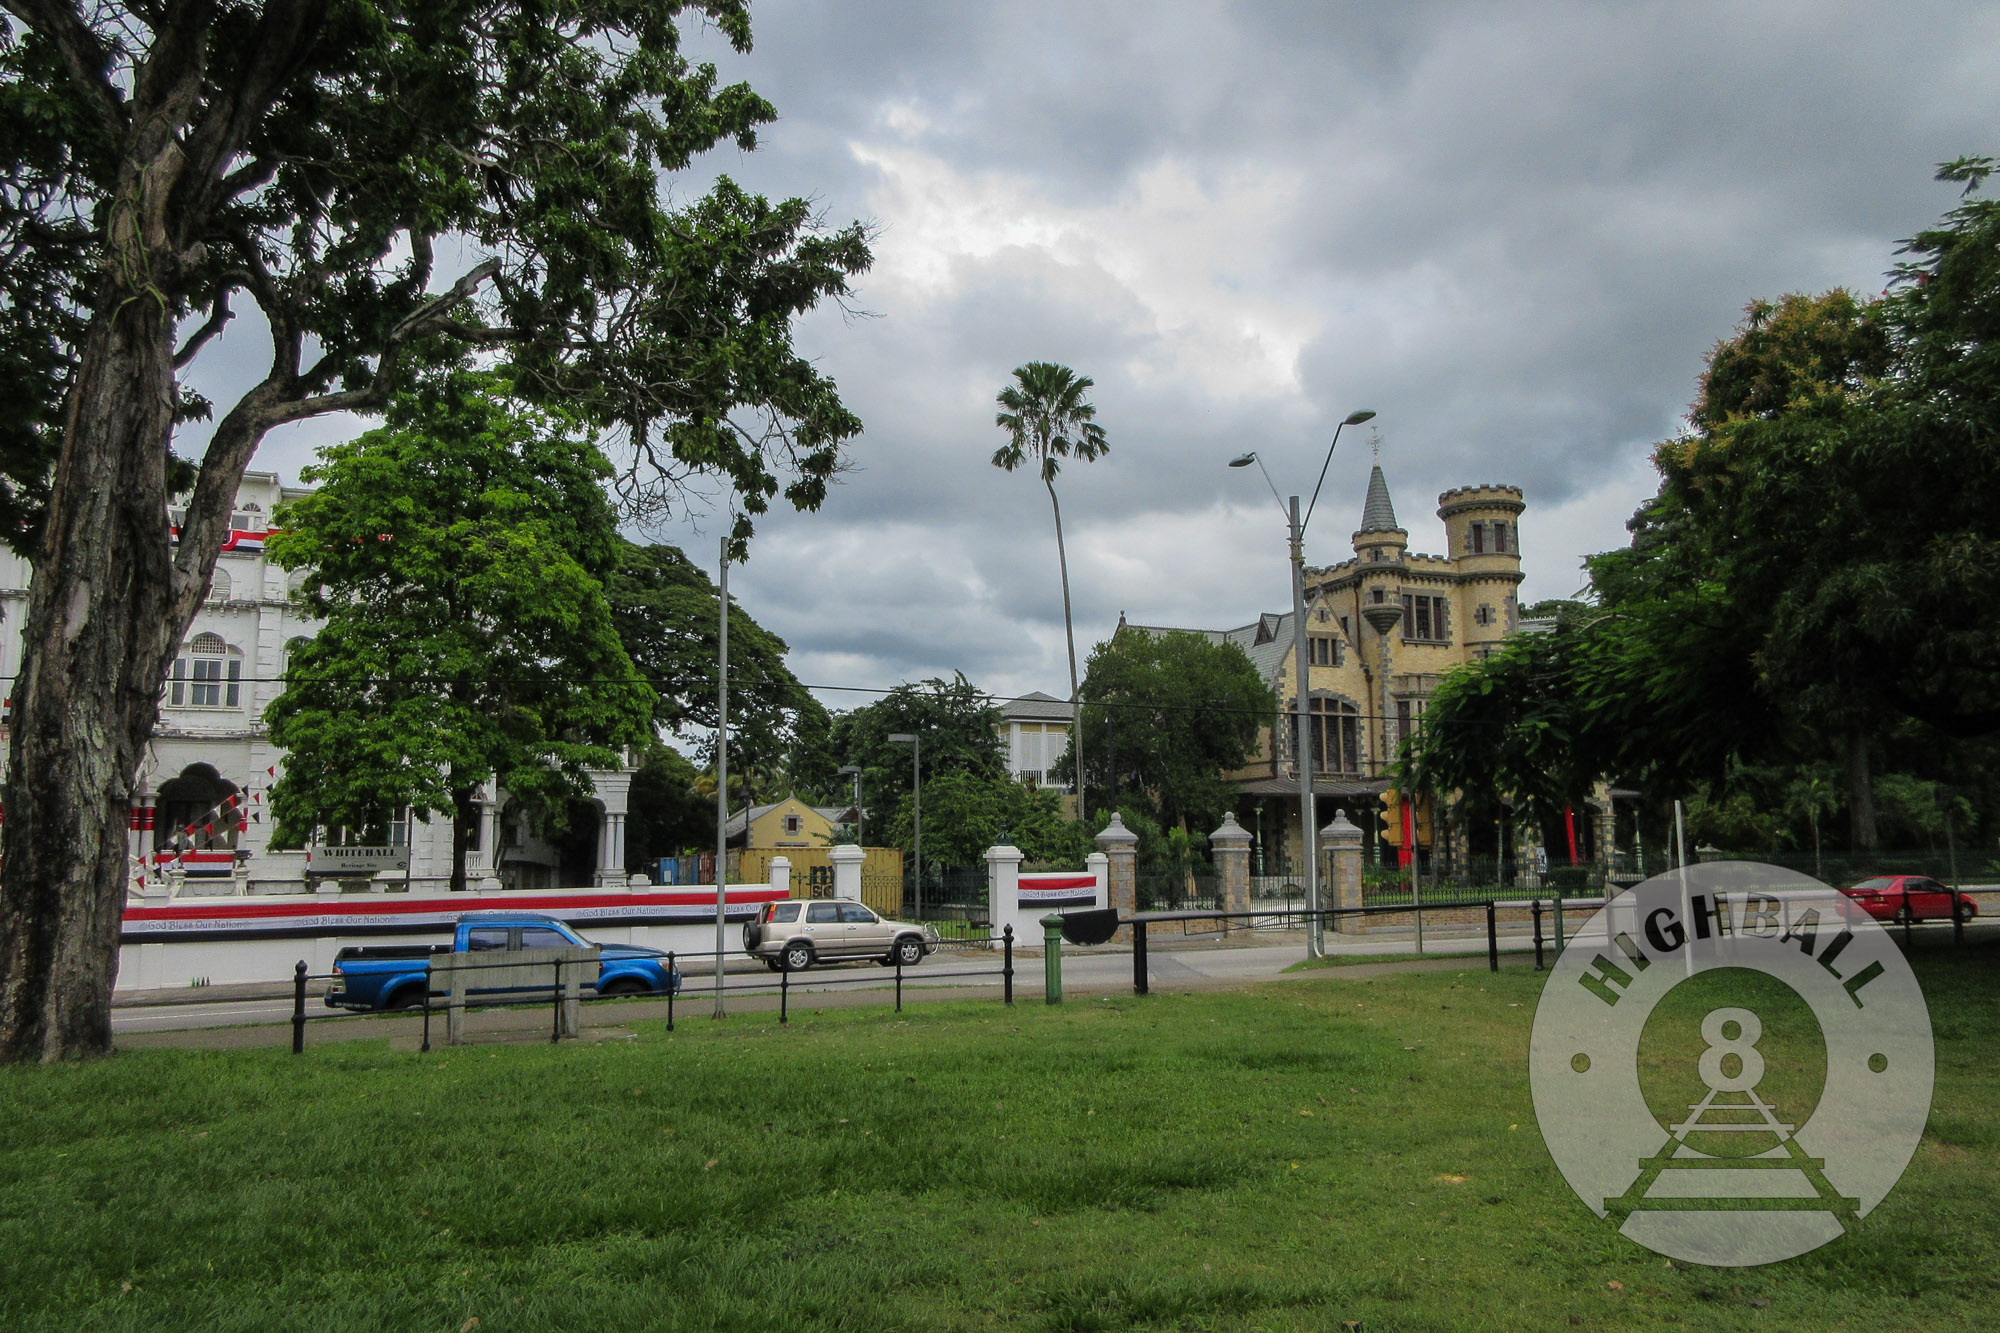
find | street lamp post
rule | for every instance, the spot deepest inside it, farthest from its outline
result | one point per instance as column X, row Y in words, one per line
column 722, row 778
column 854, row 771
column 916, row 745
column 1302, row 694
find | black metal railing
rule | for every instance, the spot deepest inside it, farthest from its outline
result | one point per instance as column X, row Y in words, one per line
column 692, row 970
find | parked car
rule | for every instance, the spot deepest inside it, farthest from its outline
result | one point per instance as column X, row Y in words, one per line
column 1902, row 898
column 395, row 976
column 794, row 934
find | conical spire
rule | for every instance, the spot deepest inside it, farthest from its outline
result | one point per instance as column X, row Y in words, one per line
column 1378, row 515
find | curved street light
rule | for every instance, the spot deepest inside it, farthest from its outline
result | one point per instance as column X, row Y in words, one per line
column 1302, row 694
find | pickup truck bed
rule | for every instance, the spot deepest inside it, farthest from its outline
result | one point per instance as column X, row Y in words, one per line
column 357, row 952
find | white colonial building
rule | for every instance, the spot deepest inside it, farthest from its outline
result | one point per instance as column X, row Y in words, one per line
column 1035, row 728
column 200, row 816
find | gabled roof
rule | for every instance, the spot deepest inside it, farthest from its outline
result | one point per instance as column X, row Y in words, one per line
column 1378, row 514
column 1036, row 707
column 742, row 819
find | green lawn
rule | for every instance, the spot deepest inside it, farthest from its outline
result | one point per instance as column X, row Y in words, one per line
column 1318, row 1151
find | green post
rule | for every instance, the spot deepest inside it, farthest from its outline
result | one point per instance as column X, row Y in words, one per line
column 1052, row 958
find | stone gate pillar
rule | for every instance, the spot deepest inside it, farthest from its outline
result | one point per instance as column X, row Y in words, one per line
column 1230, row 845
column 1341, row 842
column 1120, row 846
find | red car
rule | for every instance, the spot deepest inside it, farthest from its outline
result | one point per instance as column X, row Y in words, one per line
column 1902, row 898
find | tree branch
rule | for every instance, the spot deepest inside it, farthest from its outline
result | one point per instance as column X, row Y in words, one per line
column 82, row 55
column 285, row 33
column 219, row 314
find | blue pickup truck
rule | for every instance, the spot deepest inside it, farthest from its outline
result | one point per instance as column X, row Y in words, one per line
column 394, row 976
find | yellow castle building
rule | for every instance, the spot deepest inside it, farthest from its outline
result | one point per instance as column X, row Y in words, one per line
column 1381, row 629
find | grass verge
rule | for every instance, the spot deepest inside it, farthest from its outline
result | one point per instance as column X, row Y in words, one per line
column 1294, row 1156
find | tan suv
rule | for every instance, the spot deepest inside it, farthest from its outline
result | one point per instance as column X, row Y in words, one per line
column 794, row 934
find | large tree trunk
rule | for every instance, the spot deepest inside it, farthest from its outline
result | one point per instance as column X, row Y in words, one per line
column 102, row 627
column 1861, row 833
column 465, row 817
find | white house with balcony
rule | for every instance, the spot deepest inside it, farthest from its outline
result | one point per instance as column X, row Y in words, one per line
column 1035, row 728
column 200, row 815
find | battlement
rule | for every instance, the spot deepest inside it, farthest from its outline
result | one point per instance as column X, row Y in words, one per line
column 1490, row 495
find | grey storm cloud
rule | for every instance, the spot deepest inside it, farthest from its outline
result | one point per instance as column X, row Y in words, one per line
column 1514, row 230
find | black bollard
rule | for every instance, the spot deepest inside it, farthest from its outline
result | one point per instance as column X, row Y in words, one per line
column 299, row 1008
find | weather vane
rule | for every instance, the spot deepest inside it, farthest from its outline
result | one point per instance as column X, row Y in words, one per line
column 1375, row 443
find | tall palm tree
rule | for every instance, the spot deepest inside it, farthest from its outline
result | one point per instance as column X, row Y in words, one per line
column 1047, row 417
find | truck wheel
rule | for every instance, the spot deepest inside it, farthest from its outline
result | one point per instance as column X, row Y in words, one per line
column 797, row 957
column 909, row 951
column 406, row 998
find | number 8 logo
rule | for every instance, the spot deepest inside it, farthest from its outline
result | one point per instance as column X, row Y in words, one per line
column 1722, row 1044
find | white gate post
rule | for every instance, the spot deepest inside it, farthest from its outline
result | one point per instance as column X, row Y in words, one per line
column 781, row 875
column 1003, row 891
column 847, row 859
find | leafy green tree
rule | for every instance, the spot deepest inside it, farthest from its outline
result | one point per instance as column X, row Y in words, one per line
column 1047, row 418
column 1518, row 729
column 382, row 185
column 960, row 731
column 667, row 815
column 455, row 556
column 964, row 815
column 665, row 608
column 1811, row 576
column 1169, row 714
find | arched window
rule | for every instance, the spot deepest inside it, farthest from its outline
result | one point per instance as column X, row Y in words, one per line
column 218, row 586
column 208, row 674
column 295, row 582
column 1336, row 735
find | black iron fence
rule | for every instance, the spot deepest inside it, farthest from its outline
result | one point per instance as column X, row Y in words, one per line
column 694, row 982
column 1180, row 891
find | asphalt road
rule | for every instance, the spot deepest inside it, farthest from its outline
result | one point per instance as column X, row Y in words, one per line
column 1173, row 962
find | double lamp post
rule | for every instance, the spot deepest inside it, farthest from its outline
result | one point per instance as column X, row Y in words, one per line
column 1302, row 693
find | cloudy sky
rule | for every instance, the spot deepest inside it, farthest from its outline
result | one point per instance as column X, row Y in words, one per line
column 1511, row 229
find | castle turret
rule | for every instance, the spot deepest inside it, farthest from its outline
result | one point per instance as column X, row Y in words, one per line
column 1381, row 541
column 1482, row 525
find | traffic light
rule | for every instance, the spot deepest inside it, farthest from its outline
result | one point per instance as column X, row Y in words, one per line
column 1423, row 821
column 1392, row 817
